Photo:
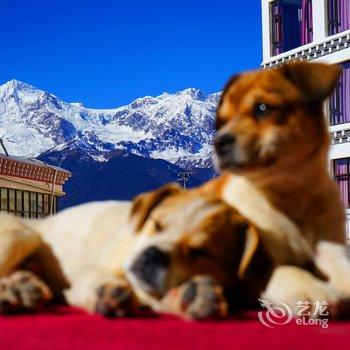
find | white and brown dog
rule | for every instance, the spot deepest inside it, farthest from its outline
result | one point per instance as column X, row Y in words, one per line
column 175, row 251
column 273, row 143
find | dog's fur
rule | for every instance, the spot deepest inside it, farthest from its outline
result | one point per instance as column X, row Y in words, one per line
column 273, row 142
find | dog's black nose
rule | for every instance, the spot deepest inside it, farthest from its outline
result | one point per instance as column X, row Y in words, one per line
column 149, row 265
column 224, row 143
column 155, row 255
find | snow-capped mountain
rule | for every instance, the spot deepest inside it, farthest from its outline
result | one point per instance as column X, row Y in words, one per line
column 175, row 127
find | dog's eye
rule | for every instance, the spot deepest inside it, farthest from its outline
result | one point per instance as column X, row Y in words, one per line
column 158, row 226
column 196, row 253
column 261, row 110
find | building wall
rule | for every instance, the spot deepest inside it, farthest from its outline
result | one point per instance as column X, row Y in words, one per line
column 29, row 185
column 324, row 48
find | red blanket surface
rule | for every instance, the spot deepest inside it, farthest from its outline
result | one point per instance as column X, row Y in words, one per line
column 67, row 328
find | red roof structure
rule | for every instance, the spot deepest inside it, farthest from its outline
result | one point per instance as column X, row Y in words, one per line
column 30, row 187
column 32, row 169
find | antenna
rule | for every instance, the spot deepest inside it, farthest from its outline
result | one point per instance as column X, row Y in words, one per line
column 3, row 147
column 184, row 177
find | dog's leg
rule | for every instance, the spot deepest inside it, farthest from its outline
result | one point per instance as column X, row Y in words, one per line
column 98, row 291
column 23, row 291
column 333, row 260
column 297, row 287
column 46, row 265
column 17, row 242
column 200, row 298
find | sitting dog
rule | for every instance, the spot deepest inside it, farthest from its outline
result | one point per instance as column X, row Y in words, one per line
column 171, row 250
column 272, row 141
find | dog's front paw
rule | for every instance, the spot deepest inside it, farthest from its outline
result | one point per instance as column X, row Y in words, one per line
column 199, row 299
column 23, row 291
column 8, row 299
column 303, row 293
column 334, row 261
column 115, row 300
column 203, row 298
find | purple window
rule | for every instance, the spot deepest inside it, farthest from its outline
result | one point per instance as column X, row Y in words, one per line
column 291, row 24
column 342, row 177
column 339, row 103
column 338, row 16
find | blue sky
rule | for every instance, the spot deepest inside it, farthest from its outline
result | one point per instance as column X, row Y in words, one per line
column 106, row 53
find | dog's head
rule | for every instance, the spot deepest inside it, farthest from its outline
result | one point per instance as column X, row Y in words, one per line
column 186, row 233
column 274, row 116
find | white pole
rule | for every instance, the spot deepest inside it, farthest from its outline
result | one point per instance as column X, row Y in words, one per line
column 53, row 191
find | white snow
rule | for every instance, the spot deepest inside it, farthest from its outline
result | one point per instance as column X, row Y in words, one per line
column 175, row 127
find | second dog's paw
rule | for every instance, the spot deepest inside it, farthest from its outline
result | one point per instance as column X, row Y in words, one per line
column 23, row 291
column 9, row 301
column 114, row 300
column 303, row 293
column 333, row 260
column 199, row 299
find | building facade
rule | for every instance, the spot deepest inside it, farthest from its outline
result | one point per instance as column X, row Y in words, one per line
column 28, row 187
column 316, row 30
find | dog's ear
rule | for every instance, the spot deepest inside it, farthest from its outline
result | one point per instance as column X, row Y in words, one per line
column 251, row 243
column 146, row 202
column 315, row 80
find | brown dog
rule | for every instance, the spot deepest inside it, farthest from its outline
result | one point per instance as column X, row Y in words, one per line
column 273, row 142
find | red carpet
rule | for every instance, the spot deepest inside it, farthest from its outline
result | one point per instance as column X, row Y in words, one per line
column 65, row 328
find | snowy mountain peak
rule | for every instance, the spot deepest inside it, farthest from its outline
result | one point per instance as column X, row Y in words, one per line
column 16, row 85
column 176, row 127
column 193, row 93
column 77, row 104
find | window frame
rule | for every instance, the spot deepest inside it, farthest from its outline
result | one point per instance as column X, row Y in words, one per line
column 334, row 102
column 21, row 197
column 279, row 45
column 334, row 24
column 337, row 178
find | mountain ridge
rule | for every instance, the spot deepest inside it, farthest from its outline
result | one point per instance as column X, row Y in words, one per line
column 112, row 153
column 175, row 127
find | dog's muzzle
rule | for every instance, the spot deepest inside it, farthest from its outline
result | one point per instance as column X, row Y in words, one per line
column 151, row 268
column 224, row 144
